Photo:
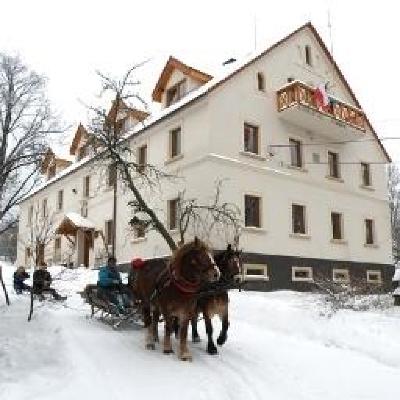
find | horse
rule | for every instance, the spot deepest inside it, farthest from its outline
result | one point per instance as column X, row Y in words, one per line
column 171, row 291
column 215, row 299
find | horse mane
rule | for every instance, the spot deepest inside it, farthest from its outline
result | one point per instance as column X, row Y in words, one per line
column 182, row 251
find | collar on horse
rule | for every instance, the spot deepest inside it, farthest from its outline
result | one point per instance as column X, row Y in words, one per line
column 182, row 284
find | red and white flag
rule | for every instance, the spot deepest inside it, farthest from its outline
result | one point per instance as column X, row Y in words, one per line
column 321, row 97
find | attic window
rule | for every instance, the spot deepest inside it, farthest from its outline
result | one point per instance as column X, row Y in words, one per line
column 176, row 92
column 308, row 55
column 260, row 82
column 51, row 171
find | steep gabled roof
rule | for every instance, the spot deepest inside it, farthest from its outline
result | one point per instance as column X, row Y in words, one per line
column 80, row 132
column 169, row 68
column 229, row 72
column 50, row 156
column 130, row 111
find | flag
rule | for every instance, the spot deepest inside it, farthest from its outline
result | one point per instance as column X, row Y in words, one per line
column 321, row 97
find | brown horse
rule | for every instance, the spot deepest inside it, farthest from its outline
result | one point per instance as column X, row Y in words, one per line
column 172, row 291
column 214, row 300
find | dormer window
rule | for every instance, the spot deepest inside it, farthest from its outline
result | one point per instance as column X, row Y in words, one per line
column 51, row 171
column 176, row 92
column 260, row 82
column 82, row 152
column 308, row 55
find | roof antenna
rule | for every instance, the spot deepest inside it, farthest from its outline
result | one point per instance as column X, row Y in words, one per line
column 330, row 31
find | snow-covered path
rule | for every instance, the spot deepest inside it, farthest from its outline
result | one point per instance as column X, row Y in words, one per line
column 279, row 347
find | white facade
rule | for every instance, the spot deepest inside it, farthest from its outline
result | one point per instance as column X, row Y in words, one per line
column 212, row 148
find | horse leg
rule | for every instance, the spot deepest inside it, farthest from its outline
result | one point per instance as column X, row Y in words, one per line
column 175, row 327
column 225, row 324
column 150, row 345
column 184, row 353
column 156, row 317
column 167, row 335
column 195, row 334
column 211, row 348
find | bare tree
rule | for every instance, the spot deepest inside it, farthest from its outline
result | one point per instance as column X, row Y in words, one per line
column 25, row 124
column 210, row 219
column 394, row 201
column 111, row 147
column 106, row 139
column 42, row 230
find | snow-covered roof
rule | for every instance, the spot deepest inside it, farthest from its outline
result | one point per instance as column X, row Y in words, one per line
column 79, row 221
column 222, row 74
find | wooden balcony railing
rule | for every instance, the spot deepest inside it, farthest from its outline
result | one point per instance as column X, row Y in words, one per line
column 299, row 93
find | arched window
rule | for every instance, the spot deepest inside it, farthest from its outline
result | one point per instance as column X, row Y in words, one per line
column 260, row 81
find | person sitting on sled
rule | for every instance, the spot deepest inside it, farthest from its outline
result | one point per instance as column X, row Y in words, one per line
column 41, row 283
column 19, row 277
column 111, row 287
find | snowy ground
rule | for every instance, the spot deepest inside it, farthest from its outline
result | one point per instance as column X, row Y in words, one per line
column 279, row 347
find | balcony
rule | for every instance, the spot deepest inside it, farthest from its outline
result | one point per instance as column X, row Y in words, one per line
column 338, row 120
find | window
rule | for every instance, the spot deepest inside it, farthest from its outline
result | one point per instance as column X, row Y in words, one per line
column 374, row 276
column 255, row 272
column 86, row 186
column 109, row 228
column 340, row 275
column 44, row 208
column 252, row 211
column 82, row 152
column 57, row 249
column 369, row 231
column 333, row 163
column 60, row 200
column 302, row 274
column 175, row 142
column 308, row 55
column 27, row 255
column 142, row 157
column 260, row 82
column 251, row 138
column 139, row 231
column 51, row 171
column 173, row 214
column 30, row 215
column 366, row 174
column 84, row 208
column 337, row 225
column 299, row 219
column 295, row 153
column 111, row 175
column 176, row 92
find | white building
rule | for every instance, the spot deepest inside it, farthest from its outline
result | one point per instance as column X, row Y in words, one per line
column 309, row 177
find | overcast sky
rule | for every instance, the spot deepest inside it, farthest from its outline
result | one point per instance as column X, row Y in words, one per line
column 68, row 40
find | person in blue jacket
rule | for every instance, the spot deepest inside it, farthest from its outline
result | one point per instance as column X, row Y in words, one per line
column 110, row 285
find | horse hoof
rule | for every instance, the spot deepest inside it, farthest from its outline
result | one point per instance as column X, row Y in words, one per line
column 196, row 339
column 212, row 350
column 221, row 340
column 186, row 357
column 168, row 351
column 150, row 346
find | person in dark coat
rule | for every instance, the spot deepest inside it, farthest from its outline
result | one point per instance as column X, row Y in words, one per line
column 19, row 277
column 41, row 283
column 111, row 287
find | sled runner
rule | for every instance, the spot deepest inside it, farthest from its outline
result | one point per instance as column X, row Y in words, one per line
column 109, row 312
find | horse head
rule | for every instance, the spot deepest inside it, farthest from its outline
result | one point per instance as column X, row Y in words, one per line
column 194, row 262
column 229, row 262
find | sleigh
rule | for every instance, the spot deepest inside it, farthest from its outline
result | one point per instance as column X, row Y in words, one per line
column 108, row 312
